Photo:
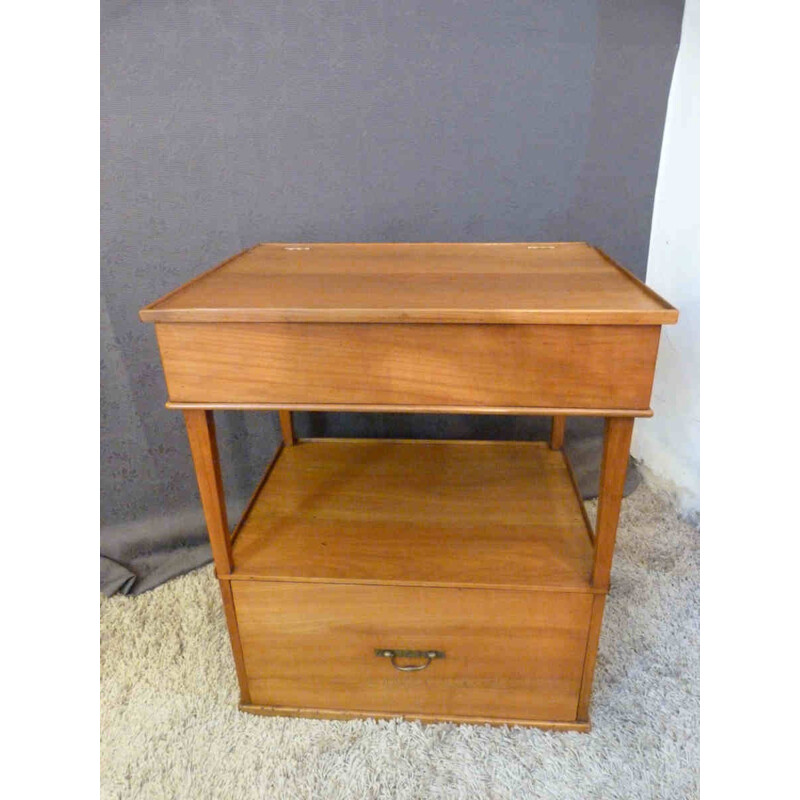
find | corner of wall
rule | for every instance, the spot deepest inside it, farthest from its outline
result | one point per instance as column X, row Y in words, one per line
column 668, row 445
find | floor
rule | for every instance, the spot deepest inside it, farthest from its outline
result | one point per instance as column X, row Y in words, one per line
column 170, row 727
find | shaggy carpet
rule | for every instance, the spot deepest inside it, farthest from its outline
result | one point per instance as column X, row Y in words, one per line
column 170, row 727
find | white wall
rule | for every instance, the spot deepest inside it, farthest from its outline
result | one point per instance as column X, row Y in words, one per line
column 669, row 443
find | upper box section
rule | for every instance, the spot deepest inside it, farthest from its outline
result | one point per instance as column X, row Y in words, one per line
column 524, row 283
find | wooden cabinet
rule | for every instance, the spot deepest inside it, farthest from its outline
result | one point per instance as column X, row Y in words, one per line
column 436, row 580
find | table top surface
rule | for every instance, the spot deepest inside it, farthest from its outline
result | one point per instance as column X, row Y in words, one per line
column 523, row 283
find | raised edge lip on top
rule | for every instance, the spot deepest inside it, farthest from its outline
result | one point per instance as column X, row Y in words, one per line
column 664, row 315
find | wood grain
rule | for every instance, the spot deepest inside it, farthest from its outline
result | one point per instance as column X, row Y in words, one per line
column 438, row 513
column 557, row 429
column 613, row 469
column 589, row 366
column 524, row 283
column 287, row 428
column 595, row 624
column 233, row 634
column 203, row 444
column 366, row 408
column 507, row 654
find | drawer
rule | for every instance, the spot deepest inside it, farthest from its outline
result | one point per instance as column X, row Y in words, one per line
column 506, row 654
column 429, row 365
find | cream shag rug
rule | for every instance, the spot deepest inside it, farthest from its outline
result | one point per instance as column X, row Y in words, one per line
column 170, row 727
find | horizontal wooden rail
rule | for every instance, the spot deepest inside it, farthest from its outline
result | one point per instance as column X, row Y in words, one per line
column 521, row 410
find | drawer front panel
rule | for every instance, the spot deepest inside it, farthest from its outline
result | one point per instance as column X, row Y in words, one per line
column 507, row 654
column 550, row 366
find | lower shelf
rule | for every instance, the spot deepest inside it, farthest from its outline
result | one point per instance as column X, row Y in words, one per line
column 481, row 514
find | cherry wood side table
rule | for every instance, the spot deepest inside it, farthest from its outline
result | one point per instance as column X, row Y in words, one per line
column 435, row 580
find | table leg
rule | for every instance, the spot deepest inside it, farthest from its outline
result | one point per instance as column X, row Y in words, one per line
column 557, row 431
column 203, row 443
column 287, row 428
column 616, row 449
column 595, row 623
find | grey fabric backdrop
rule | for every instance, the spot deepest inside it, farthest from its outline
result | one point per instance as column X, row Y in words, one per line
column 229, row 123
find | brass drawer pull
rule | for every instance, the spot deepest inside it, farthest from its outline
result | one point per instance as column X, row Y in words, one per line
column 428, row 655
